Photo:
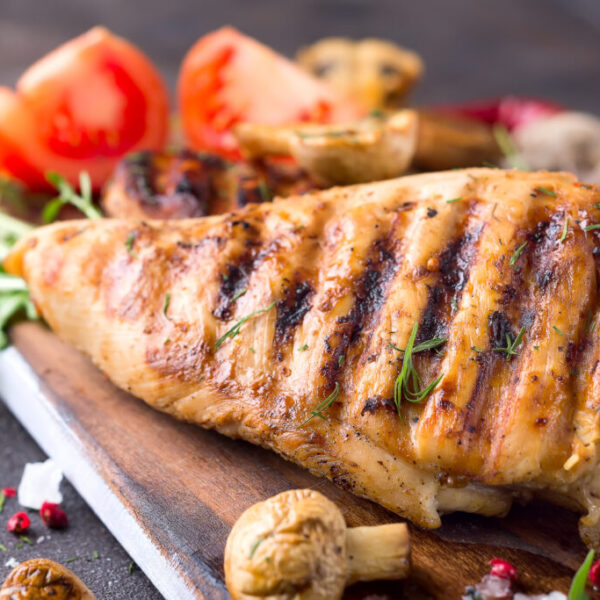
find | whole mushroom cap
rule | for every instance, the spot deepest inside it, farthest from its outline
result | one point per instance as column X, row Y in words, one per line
column 289, row 547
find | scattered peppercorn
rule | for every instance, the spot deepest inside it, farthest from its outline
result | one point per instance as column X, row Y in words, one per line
column 9, row 492
column 53, row 516
column 18, row 523
column 503, row 569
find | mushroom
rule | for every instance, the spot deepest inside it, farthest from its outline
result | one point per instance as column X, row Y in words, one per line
column 377, row 73
column 295, row 546
column 41, row 579
column 372, row 149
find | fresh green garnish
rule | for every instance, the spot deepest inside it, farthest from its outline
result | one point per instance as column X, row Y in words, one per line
column 14, row 302
column 489, row 165
column 536, row 347
column 557, row 330
column 255, row 545
column 25, row 539
column 239, row 294
column 543, row 190
column 3, row 548
column 512, row 345
column 67, row 195
column 324, row 405
column 131, row 567
column 70, row 560
column 96, row 555
column 454, row 200
column 509, row 148
column 264, row 191
column 252, row 350
column 340, row 360
column 2, row 500
column 11, row 230
column 408, row 384
column 303, row 348
column 517, row 253
column 564, row 233
column 577, row 589
column 129, row 244
column 476, row 349
column 454, row 304
column 431, row 344
column 166, row 304
column 596, row 205
column 592, row 227
column 231, row 333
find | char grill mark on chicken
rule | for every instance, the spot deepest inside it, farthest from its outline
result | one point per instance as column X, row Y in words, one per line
column 162, row 185
column 277, row 307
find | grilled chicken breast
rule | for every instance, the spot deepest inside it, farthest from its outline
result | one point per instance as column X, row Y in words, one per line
column 166, row 185
column 288, row 324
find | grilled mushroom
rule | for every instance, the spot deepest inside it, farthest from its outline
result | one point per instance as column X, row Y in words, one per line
column 43, row 579
column 372, row 149
column 295, row 546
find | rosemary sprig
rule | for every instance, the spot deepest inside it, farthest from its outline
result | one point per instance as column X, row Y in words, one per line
column 409, row 384
column 324, row 405
column 592, row 227
column 512, row 345
column 67, row 195
column 166, row 303
column 129, row 244
column 454, row 200
column 255, row 545
column 231, row 333
column 239, row 294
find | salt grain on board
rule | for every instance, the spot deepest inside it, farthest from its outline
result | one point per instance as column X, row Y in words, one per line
column 11, row 563
column 40, row 483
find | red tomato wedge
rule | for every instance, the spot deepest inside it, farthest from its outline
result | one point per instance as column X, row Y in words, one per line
column 227, row 78
column 81, row 108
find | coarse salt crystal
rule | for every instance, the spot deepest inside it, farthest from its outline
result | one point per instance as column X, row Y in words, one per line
column 11, row 562
column 40, row 483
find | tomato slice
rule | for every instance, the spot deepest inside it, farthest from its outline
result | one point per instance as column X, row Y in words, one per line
column 82, row 107
column 227, row 78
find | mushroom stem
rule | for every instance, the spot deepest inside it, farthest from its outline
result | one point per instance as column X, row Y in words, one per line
column 381, row 552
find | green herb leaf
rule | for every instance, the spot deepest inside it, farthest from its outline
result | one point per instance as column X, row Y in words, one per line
column 131, row 567
column 592, row 227
column 2, row 500
column 577, row 589
column 340, row 360
column 303, row 348
column 252, row 350
column 166, row 304
column 70, row 560
column 11, row 230
column 509, row 148
column 543, row 190
column 3, row 548
column 255, row 545
column 476, row 349
column 231, row 333
column 67, row 195
column 324, row 405
column 517, row 253
column 564, row 233
column 557, row 330
column 129, row 244
column 596, row 205
column 512, row 345
column 239, row 294
column 454, row 200
column 96, row 555
column 25, row 539
column 408, row 384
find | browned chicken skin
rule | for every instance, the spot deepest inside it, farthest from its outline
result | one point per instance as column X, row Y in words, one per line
column 163, row 185
column 248, row 322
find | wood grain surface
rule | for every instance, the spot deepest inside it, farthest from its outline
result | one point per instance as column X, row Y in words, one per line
column 184, row 487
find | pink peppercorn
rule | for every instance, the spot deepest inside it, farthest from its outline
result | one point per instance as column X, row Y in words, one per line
column 18, row 523
column 9, row 492
column 595, row 573
column 53, row 516
column 503, row 569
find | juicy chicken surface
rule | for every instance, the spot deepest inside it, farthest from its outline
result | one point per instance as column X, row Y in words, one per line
column 333, row 286
column 186, row 184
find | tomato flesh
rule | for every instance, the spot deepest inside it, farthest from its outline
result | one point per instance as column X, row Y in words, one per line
column 227, row 78
column 82, row 107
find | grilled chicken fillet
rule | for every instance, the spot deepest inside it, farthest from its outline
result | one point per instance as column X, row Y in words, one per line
column 253, row 321
column 168, row 185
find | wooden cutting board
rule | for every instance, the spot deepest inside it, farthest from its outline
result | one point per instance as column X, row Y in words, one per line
column 170, row 492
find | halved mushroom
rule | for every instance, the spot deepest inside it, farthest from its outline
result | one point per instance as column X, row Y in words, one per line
column 43, row 579
column 372, row 149
column 295, row 546
column 377, row 73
